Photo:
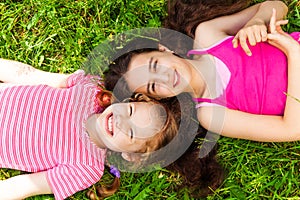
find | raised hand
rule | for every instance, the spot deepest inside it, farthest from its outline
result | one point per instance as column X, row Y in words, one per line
column 278, row 38
column 253, row 32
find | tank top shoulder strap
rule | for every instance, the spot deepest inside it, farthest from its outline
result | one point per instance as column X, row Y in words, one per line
column 202, row 100
column 197, row 52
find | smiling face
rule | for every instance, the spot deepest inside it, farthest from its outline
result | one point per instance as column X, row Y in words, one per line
column 126, row 127
column 158, row 74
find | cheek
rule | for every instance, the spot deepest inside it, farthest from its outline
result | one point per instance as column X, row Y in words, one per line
column 119, row 145
column 137, row 84
column 142, row 89
column 165, row 91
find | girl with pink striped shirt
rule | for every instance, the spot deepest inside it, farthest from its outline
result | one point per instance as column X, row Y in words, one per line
column 55, row 126
column 59, row 127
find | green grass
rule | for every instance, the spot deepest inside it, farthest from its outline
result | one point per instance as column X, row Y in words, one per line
column 56, row 36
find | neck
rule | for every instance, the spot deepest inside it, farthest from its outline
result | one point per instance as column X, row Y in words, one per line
column 91, row 128
column 204, row 77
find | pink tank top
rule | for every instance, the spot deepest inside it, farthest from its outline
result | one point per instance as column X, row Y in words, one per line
column 257, row 83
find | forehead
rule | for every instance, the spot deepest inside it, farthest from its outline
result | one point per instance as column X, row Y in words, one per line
column 148, row 119
column 137, row 76
column 142, row 59
column 149, row 111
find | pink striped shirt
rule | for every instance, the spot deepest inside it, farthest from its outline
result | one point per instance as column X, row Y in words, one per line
column 42, row 129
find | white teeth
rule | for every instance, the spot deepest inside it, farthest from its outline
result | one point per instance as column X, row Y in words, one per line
column 110, row 124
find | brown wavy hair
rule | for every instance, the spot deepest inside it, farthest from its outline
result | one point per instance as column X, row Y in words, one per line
column 159, row 140
column 185, row 15
column 200, row 175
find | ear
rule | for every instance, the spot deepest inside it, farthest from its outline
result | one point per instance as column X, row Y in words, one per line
column 132, row 157
column 163, row 48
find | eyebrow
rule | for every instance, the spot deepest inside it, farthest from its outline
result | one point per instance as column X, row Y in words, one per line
column 150, row 62
column 148, row 88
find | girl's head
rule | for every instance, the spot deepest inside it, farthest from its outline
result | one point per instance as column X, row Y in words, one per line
column 114, row 75
column 158, row 120
column 140, row 125
column 157, row 72
column 199, row 174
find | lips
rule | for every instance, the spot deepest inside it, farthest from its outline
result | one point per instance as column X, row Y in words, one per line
column 176, row 78
column 109, row 124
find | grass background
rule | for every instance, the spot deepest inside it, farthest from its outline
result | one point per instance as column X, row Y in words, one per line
column 56, row 36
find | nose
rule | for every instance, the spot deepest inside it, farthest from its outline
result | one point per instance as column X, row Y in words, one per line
column 121, row 122
column 160, row 77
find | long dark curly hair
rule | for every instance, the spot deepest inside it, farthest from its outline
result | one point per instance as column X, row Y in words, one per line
column 185, row 15
column 201, row 175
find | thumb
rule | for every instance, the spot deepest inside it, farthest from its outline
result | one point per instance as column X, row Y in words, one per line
column 271, row 36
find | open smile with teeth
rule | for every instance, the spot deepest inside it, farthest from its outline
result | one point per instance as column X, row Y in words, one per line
column 109, row 125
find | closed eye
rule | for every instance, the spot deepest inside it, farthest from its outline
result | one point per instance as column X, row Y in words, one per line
column 130, row 109
column 155, row 66
column 152, row 65
column 153, row 87
column 131, row 134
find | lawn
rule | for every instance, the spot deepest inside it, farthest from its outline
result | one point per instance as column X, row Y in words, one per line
column 57, row 36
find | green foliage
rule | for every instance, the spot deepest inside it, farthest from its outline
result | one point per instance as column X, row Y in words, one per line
column 259, row 170
column 56, row 36
column 294, row 16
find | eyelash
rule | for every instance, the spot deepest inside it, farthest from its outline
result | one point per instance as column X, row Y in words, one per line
column 130, row 114
column 153, row 87
column 130, row 110
column 131, row 134
column 155, row 66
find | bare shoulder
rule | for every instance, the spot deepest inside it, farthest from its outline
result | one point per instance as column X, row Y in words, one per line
column 210, row 32
column 206, row 35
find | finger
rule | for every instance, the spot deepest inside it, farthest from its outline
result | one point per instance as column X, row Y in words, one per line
column 271, row 40
column 258, row 36
column 282, row 22
column 235, row 42
column 279, row 24
column 273, row 22
column 264, row 35
column 245, row 47
column 251, row 39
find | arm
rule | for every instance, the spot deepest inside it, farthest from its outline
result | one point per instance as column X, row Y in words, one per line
column 249, row 23
column 20, row 73
column 264, row 128
column 22, row 186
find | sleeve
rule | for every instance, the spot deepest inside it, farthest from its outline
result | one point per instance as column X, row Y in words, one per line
column 79, row 77
column 66, row 180
column 75, row 78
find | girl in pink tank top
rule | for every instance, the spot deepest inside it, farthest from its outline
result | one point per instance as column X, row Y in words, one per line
column 255, row 96
column 253, row 80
